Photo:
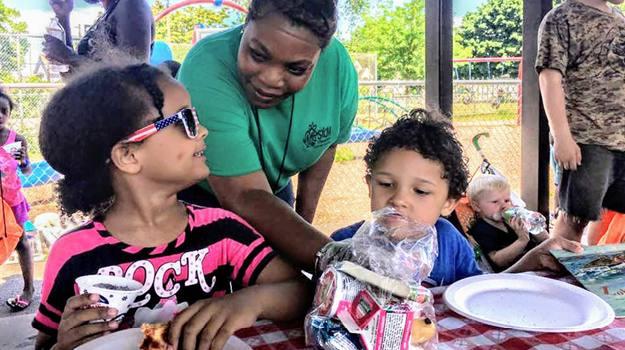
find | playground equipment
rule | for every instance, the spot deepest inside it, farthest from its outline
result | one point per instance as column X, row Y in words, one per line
column 488, row 61
column 42, row 174
column 161, row 52
column 467, row 96
column 362, row 134
column 175, row 7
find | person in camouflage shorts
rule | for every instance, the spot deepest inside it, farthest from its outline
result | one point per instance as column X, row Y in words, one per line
column 581, row 67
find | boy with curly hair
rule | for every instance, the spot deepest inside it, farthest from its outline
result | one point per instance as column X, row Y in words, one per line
column 417, row 167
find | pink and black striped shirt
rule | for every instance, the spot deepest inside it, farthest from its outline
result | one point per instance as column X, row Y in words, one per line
column 217, row 251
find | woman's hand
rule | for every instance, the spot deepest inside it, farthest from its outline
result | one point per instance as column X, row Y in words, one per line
column 56, row 51
column 521, row 232
column 62, row 8
column 207, row 324
column 75, row 328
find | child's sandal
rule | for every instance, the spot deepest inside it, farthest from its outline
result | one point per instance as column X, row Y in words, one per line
column 17, row 304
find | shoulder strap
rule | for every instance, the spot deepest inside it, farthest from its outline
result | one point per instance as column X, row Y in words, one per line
column 11, row 137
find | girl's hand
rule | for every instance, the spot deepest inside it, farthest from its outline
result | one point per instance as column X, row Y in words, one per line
column 519, row 229
column 56, row 50
column 75, row 328
column 209, row 323
column 20, row 155
column 62, row 8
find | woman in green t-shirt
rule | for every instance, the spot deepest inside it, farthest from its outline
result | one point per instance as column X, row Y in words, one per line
column 277, row 95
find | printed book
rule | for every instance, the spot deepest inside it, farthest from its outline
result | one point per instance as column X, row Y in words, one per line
column 601, row 270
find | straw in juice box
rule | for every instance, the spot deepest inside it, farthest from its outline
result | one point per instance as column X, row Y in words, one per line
column 411, row 291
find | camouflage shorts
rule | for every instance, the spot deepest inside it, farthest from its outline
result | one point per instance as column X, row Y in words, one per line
column 598, row 183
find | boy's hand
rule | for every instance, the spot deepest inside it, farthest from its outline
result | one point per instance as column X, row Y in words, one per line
column 517, row 225
column 567, row 153
column 75, row 328
column 207, row 324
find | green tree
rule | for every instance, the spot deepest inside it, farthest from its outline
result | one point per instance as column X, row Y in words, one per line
column 494, row 30
column 459, row 51
column 397, row 35
column 12, row 48
column 177, row 27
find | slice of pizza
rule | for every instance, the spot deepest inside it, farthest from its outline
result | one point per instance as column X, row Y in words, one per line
column 154, row 336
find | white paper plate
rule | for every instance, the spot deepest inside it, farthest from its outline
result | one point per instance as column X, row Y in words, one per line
column 527, row 302
column 129, row 339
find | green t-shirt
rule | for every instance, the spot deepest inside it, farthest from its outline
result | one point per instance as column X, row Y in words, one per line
column 322, row 116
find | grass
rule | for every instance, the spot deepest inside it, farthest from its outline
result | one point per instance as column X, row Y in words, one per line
column 344, row 154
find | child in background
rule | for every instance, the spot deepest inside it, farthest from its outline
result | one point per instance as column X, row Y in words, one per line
column 127, row 141
column 12, row 194
column 580, row 66
column 417, row 167
column 503, row 244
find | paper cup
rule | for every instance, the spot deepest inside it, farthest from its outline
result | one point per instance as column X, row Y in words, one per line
column 13, row 148
column 115, row 292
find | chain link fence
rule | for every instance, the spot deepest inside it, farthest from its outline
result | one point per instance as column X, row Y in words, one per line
column 19, row 56
column 30, row 100
column 479, row 106
column 491, row 106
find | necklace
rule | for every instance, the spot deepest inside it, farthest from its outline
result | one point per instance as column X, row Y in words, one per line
column 286, row 147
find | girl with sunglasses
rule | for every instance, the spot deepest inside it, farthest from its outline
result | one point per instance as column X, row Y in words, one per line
column 124, row 155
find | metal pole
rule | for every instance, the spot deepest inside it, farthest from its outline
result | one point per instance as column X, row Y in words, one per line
column 534, row 126
column 438, row 56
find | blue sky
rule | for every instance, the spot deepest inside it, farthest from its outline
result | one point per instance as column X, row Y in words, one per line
column 37, row 13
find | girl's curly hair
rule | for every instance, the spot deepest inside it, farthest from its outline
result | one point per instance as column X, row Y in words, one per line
column 433, row 139
column 85, row 119
column 8, row 98
column 319, row 16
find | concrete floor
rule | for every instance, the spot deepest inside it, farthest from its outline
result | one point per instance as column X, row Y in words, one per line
column 15, row 329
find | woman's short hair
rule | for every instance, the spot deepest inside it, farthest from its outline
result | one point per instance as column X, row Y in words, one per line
column 319, row 16
column 485, row 183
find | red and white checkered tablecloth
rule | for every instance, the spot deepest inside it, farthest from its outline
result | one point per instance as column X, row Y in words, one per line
column 457, row 333
column 266, row 335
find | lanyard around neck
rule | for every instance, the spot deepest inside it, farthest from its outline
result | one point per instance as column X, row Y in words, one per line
column 286, row 146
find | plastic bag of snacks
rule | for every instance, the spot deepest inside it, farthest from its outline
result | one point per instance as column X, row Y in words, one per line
column 369, row 295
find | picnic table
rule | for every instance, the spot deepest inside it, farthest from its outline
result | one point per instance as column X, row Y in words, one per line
column 458, row 333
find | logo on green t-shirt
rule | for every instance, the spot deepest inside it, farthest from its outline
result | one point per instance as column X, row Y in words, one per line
column 317, row 137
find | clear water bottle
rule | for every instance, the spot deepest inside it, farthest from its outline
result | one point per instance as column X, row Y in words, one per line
column 56, row 30
column 534, row 222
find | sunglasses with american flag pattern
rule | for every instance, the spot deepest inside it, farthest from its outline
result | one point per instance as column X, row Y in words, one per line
column 187, row 116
